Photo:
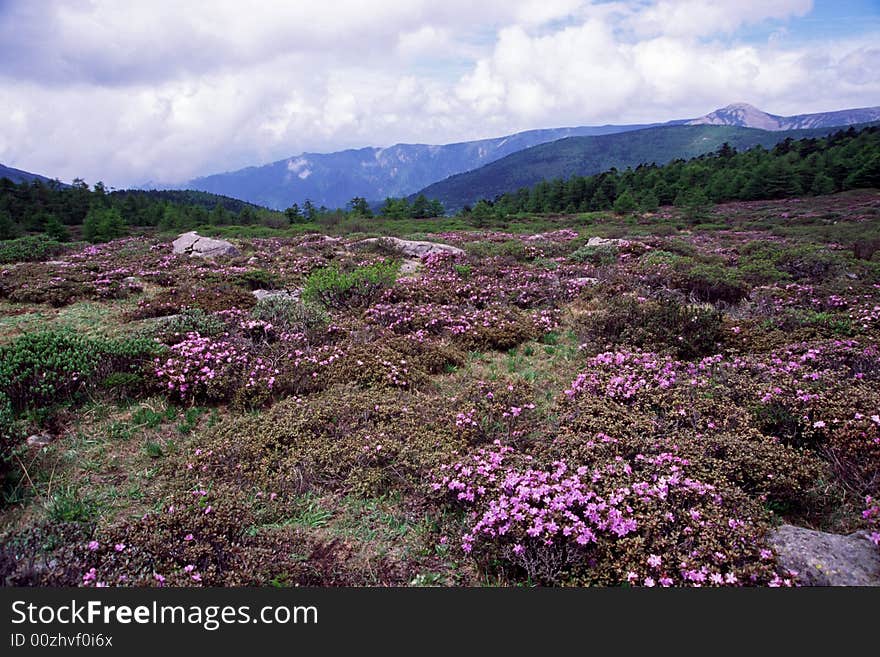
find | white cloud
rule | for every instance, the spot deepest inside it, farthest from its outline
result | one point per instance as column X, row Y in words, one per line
column 537, row 12
column 698, row 18
column 89, row 89
column 425, row 41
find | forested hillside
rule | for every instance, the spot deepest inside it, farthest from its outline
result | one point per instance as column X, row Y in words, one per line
column 585, row 156
column 845, row 160
column 97, row 215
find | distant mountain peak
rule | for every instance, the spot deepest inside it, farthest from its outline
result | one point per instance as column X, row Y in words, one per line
column 743, row 115
column 747, row 107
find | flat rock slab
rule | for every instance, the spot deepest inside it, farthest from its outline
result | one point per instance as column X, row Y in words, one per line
column 414, row 248
column 602, row 241
column 196, row 246
column 276, row 294
column 822, row 559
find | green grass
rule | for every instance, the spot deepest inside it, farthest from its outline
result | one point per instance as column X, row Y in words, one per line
column 85, row 317
column 383, row 527
column 312, row 514
column 190, row 420
column 69, row 504
column 153, row 449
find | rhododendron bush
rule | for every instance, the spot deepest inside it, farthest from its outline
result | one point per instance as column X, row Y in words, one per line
column 595, row 522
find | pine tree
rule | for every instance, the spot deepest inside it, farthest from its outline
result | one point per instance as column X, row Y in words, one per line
column 648, row 201
column 56, row 230
column 293, row 214
column 867, row 175
column 8, row 228
column 482, row 213
column 822, row 184
column 395, row 208
column 309, row 211
column 359, row 207
column 420, row 208
column 625, row 203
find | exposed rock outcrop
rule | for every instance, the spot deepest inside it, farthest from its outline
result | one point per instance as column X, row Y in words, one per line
column 412, row 248
column 602, row 241
column 822, row 559
column 196, row 246
column 276, row 294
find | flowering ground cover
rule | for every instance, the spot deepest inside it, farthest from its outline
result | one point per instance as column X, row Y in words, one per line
column 633, row 412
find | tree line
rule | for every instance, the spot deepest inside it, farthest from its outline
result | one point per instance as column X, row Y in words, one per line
column 96, row 214
column 847, row 159
column 360, row 208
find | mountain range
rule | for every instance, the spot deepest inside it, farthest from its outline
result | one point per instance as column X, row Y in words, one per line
column 463, row 172
column 332, row 179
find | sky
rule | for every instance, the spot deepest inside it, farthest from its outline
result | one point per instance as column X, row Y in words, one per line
column 132, row 92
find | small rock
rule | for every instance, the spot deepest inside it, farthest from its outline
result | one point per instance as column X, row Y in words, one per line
column 414, row 248
column 823, row 559
column 602, row 241
column 39, row 440
column 276, row 294
column 197, row 246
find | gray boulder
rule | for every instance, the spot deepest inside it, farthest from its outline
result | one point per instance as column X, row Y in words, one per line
column 822, row 559
column 196, row 246
column 413, row 248
column 602, row 241
column 39, row 440
column 276, row 294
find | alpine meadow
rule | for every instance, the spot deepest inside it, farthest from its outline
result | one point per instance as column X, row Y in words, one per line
column 501, row 301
